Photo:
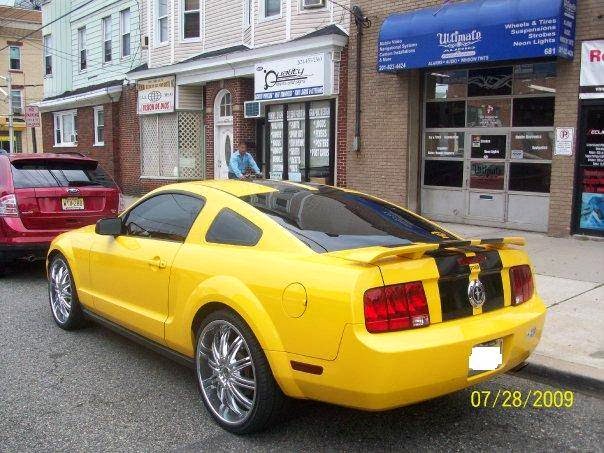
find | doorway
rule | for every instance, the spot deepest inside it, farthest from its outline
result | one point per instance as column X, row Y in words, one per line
column 223, row 134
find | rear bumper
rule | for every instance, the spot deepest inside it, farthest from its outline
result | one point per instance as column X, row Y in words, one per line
column 384, row 371
column 12, row 252
column 16, row 241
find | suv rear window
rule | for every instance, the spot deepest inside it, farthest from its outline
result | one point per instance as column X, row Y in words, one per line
column 27, row 175
column 328, row 219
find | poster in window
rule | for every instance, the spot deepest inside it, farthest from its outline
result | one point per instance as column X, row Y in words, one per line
column 445, row 144
column 296, row 126
column 594, row 147
column 532, row 145
column 592, row 200
column 275, row 119
column 488, row 146
column 486, row 176
column 489, row 113
column 320, row 122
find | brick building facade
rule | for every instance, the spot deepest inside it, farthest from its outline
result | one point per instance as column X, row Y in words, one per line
column 390, row 160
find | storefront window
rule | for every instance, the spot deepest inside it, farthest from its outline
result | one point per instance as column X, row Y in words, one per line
column 490, row 82
column 537, row 78
column 445, row 114
column 296, row 132
column 443, row 173
column 534, row 112
column 276, row 128
column 487, row 176
column 488, row 146
column 446, row 84
column 301, row 148
column 532, row 145
column 444, row 144
column 489, row 112
column 530, row 177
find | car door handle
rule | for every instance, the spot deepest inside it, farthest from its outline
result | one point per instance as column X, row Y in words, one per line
column 158, row 262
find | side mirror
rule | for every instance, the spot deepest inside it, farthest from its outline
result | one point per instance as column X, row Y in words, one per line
column 109, row 227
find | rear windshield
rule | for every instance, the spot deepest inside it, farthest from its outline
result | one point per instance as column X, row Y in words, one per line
column 59, row 174
column 329, row 219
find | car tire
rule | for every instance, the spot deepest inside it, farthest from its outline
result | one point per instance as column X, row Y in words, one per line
column 63, row 297
column 241, row 399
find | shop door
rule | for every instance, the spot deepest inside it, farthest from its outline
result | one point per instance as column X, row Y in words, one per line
column 485, row 171
column 225, row 149
column 589, row 205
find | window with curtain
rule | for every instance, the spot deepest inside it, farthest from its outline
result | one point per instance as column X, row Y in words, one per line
column 272, row 8
column 125, row 32
column 161, row 31
column 106, row 26
column 191, row 19
column 82, row 48
column 15, row 58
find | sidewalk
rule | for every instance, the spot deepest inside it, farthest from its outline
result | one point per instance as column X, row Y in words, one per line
column 570, row 279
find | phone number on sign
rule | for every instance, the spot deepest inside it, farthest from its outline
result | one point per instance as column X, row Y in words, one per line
column 515, row 399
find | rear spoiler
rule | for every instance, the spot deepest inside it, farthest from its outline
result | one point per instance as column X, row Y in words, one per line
column 416, row 251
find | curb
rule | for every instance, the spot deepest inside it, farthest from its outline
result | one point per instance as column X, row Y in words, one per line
column 572, row 376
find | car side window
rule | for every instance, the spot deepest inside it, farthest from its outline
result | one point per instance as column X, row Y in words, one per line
column 232, row 229
column 167, row 216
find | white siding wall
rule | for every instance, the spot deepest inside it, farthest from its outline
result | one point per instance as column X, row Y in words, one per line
column 222, row 27
column 60, row 80
column 91, row 16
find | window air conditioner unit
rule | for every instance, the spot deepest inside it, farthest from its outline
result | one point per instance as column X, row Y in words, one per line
column 309, row 4
column 144, row 41
column 253, row 109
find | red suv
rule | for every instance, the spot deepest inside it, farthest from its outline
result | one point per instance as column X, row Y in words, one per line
column 43, row 195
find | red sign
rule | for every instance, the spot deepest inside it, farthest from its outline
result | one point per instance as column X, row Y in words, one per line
column 32, row 116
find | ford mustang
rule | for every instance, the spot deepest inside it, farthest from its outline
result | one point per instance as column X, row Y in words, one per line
column 271, row 290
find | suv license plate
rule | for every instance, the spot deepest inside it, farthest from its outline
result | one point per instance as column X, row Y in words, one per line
column 72, row 204
column 487, row 356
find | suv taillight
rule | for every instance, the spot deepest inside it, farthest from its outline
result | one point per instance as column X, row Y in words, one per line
column 396, row 307
column 521, row 280
column 122, row 204
column 8, row 206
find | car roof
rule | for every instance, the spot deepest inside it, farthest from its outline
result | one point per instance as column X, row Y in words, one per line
column 49, row 156
column 241, row 189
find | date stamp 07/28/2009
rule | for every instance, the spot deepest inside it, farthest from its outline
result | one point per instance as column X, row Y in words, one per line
column 516, row 399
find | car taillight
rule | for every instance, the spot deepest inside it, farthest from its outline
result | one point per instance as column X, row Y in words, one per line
column 8, row 206
column 396, row 307
column 521, row 280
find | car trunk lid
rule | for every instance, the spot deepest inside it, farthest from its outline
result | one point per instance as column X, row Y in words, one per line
column 446, row 270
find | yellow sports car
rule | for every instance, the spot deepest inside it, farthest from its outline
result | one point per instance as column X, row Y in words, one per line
column 272, row 289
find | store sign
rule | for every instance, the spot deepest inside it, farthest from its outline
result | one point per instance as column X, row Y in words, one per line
column 290, row 78
column 477, row 32
column 156, row 95
column 592, row 69
column 565, row 141
column 32, row 116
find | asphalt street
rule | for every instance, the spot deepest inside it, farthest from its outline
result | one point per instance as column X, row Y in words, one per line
column 94, row 390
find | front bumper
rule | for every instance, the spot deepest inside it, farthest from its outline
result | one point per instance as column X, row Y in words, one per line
column 384, row 371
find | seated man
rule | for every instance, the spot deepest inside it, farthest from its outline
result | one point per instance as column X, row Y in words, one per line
column 242, row 162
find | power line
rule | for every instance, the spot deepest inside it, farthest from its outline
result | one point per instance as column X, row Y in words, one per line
column 53, row 21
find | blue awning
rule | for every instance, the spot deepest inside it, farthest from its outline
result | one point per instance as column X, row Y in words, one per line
column 477, row 32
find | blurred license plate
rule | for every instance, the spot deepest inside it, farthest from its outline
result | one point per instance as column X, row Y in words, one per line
column 72, row 204
column 487, row 356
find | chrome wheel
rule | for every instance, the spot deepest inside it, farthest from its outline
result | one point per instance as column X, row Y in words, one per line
column 61, row 296
column 226, row 374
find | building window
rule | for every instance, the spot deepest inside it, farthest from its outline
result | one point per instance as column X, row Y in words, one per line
column 17, row 102
column 247, row 13
column 161, row 21
column 65, row 128
column 226, row 106
column 99, row 126
column 47, row 55
column 172, row 146
column 125, row 32
column 82, row 48
column 15, row 58
column 272, row 8
column 191, row 19
column 106, row 28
